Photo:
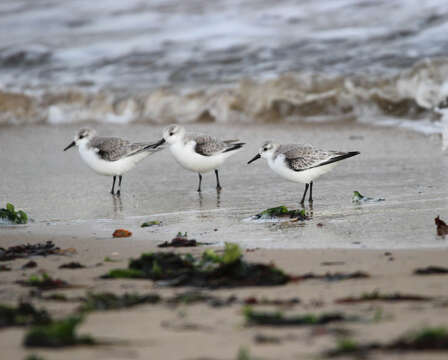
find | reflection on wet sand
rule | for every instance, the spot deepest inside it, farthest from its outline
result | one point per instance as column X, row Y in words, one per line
column 117, row 205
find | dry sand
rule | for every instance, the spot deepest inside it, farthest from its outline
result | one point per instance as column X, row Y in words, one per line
column 71, row 206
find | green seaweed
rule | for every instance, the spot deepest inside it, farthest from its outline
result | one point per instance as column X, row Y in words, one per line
column 277, row 318
column 34, row 357
column 426, row 339
column 243, row 354
column 347, row 345
column 377, row 296
column 22, row 315
column 57, row 334
column 209, row 270
column 150, row 223
column 124, row 274
column 11, row 215
column 108, row 259
column 281, row 212
column 44, row 282
column 110, row 301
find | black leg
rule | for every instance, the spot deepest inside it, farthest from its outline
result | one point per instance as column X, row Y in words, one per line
column 119, row 185
column 304, row 194
column 218, row 185
column 311, row 192
column 200, row 181
column 113, row 185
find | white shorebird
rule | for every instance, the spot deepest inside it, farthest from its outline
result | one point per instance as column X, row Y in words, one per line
column 300, row 163
column 110, row 156
column 197, row 152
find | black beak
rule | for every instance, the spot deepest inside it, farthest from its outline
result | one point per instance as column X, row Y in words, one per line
column 71, row 145
column 256, row 157
column 158, row 143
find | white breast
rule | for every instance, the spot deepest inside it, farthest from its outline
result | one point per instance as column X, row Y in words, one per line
column 191, row 160
column 305, row 177
column 109, row 168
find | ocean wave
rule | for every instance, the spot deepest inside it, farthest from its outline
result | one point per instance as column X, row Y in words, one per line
column 413, row 94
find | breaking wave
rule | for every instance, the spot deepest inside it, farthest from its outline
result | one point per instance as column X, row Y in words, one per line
column 411, row 95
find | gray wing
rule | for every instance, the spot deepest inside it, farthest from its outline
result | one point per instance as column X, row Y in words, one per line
column 113, row 149
column 208, row 145
column 303, row 157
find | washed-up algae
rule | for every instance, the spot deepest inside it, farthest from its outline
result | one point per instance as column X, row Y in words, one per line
column 72, row 265
column 280, row 212
column 276, row 318
column 337, row 276
column 210, row 270
column 431, row 270
column 110, row 301
column 44, row 282
column 376, row 296
column 58, row 333
column 11, row 216
column 426, row 339
column 23, row 314
column 27, row 250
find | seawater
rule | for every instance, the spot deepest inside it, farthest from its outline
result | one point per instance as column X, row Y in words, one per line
column 244, row 61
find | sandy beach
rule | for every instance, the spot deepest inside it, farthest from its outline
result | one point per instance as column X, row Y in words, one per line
column 388, row 240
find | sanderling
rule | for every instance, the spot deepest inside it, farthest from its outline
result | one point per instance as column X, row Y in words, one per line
column 197, row 152
column 109, row 155
column 300, row 163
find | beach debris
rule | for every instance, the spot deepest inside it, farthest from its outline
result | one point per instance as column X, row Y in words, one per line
column 211, row 270
column 442, row 227
column 361, row 199
column 426, row 339
column 5, row 268
column 376, row 296
column 23, row 314
column 252, row 300
column 194, row 297
column 181, row 240
column 9, row 215
column 110, row 301
column 150, row 223
column 431, row 270
column 72, row 265
column 280, row 212
column 109, row 259
column 30, row 265
column 277, row 318
column 44, row 282
column 56, row 334
column 121, row 233
column 337, row 276
column 27, row 250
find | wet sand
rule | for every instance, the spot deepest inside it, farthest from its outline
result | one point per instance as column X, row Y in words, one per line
column 72, row 207
column 65, row 198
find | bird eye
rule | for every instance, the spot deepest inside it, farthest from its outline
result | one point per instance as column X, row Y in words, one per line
column 171, row 133
column 81, row 136
column 265, row 149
